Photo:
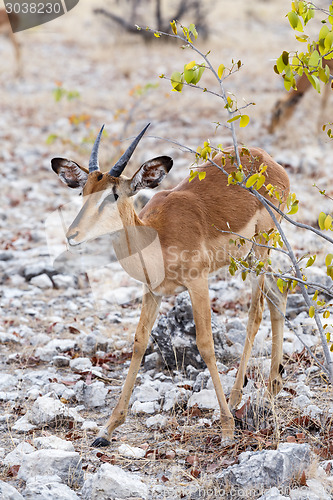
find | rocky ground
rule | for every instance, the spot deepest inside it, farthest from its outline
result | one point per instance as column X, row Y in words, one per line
column 65, row 348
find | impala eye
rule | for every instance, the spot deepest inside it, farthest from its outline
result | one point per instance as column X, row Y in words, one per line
column 100, row 177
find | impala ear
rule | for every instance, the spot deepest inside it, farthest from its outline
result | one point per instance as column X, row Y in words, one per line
column 151, row 173
column 70, row 172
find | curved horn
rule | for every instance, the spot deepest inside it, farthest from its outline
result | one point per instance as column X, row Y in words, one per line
column 93, row 161
column 118, row 168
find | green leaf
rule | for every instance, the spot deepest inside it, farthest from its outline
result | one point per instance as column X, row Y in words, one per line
column 233, row 119
column 315, row 82
column 280, row 64
column 323, row 32
column 285, row 57
column 311, row 261
column 321, row 220
column 193, row 174
column 314, row 59
column 192, row 29
column 252, row 180
column 329, row 41
column 177, row 81
column 328, row 222
column 311, row 312
column 295, row 21
column 328, row 259
column 260, row 182
column 302, row 38
column 280, row 284
column 244, row 121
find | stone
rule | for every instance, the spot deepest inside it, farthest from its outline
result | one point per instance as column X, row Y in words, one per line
column 53, row 442
column 80, row 364
column 267, row 468
column 65, row 464
column 48, row 488
column 60, row 361
column 89, row 425
column 157, row 421
column 64, row 281
column 8, row 492
column 144, row 393
column 7, row 381
column 148, row 407
column 301, row 401
column 205, row 399
column 15, row 457
column 273, row 494
column 49, row 411
column 42, row 281
column 174, row 337
column 92, row 395
column 125, row 450
column 54, row 347
column 111, row 482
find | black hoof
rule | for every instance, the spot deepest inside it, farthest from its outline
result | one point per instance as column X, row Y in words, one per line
column 100, row 442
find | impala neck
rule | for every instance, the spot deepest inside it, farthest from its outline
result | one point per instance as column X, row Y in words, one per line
column 127, row 213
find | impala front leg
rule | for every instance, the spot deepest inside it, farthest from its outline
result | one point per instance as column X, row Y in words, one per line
column 150, row 307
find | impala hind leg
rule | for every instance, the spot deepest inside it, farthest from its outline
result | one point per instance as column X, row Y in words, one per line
column 277, row 303
column 199, row 294
column 255, row 317
column 150, row 307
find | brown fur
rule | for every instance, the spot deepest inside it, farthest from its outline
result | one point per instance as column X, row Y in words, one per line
column 189, row 220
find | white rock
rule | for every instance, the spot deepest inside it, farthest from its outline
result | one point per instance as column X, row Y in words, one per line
column 273, row 494
column 145, row 393
column 15, row 457
column 49, row 411
column 92, row 395
column 9, row 396
column 54, row 347
column 313, row 411
column 89, row 425
column 66, row 464
column 7, row 381
column 80, row 364
column 148, row 407
column 23, row 425
column 64, row 281
column 301, row 402
column 303, row 390
column 205, row 399
column 48, row 488
column 42, row 281
column 111, row 478
column 128, row 451
column 8, row 492
column 174, row 396
column 53, row 442
column 157, row 421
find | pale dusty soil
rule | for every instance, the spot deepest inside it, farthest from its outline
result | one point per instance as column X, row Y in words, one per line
column 87, row 54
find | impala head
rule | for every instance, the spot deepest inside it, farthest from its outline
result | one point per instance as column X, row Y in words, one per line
column 105, row 195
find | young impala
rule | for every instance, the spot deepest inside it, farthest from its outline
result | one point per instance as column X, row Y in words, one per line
column 194, row 218
column 6, row 22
